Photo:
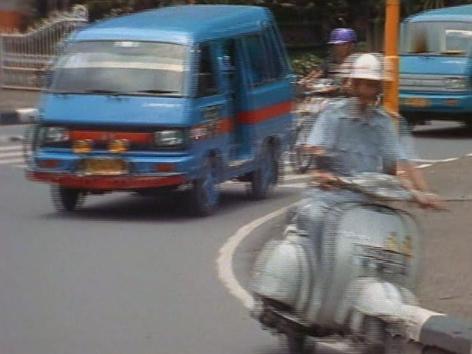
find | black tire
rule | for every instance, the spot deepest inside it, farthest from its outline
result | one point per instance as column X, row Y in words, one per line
column 205, row 194
column 266, row 174
column 468, row 124
column 295, row 343
column 299, row 160
column 66, row 199
column 375, row 335
column 303, row 161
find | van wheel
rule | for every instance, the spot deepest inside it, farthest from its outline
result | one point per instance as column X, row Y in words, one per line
column 205, row 194
column 266, row 174
column 66, row 199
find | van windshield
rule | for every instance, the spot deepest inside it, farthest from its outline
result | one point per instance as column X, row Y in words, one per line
column 437, row 38
column 121, row 67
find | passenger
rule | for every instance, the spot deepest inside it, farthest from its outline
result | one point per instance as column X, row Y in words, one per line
column 336, row 66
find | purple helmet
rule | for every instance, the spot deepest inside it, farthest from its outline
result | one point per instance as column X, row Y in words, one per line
column 342, row 35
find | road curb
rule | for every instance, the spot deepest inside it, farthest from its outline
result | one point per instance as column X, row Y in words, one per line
column 448, row 333
column 18, row 116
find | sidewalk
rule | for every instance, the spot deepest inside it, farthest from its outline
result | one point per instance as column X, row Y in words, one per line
column 13, row 103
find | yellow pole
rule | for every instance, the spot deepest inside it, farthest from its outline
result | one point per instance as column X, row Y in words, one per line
column 392, row 20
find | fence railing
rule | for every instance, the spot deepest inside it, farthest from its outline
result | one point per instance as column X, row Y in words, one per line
column 25, row 57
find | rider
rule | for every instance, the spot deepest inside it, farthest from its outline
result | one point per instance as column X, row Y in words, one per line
column 352, row 136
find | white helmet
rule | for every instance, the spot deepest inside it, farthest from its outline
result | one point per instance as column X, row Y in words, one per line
column 367, row 66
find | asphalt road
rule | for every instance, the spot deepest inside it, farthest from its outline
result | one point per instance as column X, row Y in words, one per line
column 128, row 274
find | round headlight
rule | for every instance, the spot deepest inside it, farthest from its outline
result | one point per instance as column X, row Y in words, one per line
column 54, row 134
column 456, row 83
column 169, row 138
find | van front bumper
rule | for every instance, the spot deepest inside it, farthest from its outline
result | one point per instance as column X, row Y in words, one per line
column 436, row 103
column 122, row 182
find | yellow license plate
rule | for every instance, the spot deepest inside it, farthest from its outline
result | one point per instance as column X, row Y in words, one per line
column 418, row 102
column 107, row 167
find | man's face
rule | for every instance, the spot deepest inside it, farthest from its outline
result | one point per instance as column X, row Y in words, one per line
column 366, row 90
column 341, row 51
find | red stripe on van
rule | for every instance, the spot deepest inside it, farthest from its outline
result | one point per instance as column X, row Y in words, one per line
column 262, row 114
column 133, row 137
column 225, row 126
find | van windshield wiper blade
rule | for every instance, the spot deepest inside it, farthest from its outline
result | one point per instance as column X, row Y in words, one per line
column 157, row 92
column 105, row 92
column 453, row 52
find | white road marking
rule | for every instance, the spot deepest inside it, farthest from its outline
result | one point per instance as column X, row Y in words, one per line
column 295, row 176
column 224, row 261
column 450, row 159
column 11, row 161
column 425, row 165
column 415, row 318
column 293, row 185
column 11, row 148
column 10, row 154
column 426, row 161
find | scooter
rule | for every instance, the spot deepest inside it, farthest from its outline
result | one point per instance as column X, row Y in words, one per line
column 362, row 275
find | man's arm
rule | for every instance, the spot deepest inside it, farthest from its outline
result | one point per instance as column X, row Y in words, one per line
column 415, row 175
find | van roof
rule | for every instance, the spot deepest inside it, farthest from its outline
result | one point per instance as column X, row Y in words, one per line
column 179, row 24
column 455, row 13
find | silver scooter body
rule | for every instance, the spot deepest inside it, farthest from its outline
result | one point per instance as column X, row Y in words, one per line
column 366, row 250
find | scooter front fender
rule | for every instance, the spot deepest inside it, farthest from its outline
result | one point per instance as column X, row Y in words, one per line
column 373, row 297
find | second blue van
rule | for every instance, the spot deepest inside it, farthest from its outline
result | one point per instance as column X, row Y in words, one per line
column 436, row 66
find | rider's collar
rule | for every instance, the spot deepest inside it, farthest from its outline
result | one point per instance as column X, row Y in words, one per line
column 369, row 116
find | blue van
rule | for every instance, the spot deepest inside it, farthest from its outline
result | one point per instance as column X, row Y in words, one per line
column 435, row 65
column 181, row 98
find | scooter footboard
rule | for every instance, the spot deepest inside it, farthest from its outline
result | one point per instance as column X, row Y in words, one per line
column 283, row 271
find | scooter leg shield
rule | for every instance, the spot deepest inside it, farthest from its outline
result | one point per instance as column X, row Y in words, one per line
column 280, row 271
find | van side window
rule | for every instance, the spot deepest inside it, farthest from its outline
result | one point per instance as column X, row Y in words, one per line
column 275, row 54
column 257, row 66
column 206, row 74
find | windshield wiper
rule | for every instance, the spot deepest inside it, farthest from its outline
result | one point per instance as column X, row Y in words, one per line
column 155, row 91
column 453, row 52
column 105, row 92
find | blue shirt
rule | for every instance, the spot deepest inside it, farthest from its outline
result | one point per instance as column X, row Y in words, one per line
column 357, row 141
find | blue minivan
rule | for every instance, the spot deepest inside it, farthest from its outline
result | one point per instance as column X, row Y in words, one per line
column 435, row 65
column 179, row 98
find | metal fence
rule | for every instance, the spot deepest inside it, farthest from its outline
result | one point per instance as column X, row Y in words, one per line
column 25, row 57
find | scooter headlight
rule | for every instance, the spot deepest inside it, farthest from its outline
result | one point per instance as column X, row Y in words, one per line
column 169, row 138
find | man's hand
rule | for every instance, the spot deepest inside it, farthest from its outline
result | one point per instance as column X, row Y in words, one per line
column 428, row 200
column 325, row 180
